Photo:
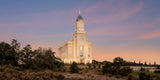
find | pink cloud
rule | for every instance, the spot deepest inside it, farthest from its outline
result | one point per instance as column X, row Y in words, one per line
column 55, row 18
column 32, row 36
column 115, row 15
column 112, row 30
column 149, row 35
column 127, row 31
column 44, row 19
column 152, row 23
column 92, row 8
column 103, row 6
column 12, row 25
column 55, row 13
column 38, row 23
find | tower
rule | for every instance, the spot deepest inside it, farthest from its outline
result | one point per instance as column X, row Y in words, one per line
column 78, row 49
column 79, row 24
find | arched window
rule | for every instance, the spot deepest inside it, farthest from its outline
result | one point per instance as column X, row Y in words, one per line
column 81, row 54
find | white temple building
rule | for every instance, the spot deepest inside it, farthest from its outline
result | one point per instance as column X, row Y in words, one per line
column 77, row 49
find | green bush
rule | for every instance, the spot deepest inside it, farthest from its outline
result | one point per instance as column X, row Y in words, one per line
column 143, row 76
column 74, row 68
column 125, row 71
column 115, row 71
column 107, row 68
column 118, row 62
column 89, row 66
column 157, row 71
column 8, row 54
column 94, row 66
column 99, row 66
column 118, row 67
column 142, row 69
column 158, row 67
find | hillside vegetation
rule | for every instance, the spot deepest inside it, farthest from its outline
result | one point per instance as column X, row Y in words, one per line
column 41, row 64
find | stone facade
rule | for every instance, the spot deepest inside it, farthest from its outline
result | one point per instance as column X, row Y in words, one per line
column 78, row 49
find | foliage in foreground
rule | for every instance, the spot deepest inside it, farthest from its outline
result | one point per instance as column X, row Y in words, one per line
column 143, row 76
column 9, row 53
column 74, row 68
column 39, row 59
column 9, row 72
column 117, row 68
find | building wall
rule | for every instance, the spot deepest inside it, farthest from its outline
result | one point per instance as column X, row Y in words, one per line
column 70, row 51
column 78, row 49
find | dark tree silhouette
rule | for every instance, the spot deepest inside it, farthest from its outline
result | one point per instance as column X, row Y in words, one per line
column 118, row 62
column 74, row 68
column 107, row 68
column 27, row 55
column 118, row 68
column 8, row 54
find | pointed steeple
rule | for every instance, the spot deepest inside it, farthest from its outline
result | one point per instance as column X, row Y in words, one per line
column 79, row 17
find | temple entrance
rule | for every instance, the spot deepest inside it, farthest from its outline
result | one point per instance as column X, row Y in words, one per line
column 82, row 60
column 88, row 61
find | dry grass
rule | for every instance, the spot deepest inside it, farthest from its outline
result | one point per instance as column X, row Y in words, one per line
column 9, row 72
column 14, row 73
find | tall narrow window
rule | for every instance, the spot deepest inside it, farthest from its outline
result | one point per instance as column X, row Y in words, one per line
column 81, row 51
column 81, row 48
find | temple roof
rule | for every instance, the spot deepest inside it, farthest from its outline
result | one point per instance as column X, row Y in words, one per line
column 79, row 17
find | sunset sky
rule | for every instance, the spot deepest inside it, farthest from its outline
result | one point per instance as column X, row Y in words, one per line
column 126, row 28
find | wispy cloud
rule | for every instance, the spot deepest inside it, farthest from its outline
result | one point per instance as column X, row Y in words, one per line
column 32, row 36
column 149, row 35
column 44, row 19
column 39, row 22
column 113, row 16
column 61, row 18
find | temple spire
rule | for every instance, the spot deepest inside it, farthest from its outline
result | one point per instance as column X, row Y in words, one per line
column 79, row 12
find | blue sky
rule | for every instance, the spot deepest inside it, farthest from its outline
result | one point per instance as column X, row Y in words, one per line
column 125, row 28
